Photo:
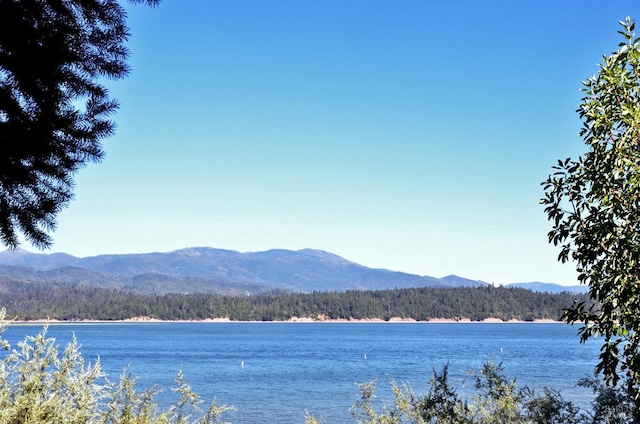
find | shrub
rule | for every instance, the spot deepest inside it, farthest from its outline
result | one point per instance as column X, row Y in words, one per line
column 497, row 399
column 37, row 385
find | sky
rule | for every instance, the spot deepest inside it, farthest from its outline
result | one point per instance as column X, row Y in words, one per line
column 406, row 135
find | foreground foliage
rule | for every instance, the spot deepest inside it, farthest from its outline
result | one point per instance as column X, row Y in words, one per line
column 37, row 385
column 594, row 205
column 61, row 301
column 497, row 399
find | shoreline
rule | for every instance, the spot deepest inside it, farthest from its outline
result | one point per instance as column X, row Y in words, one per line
column 295, row 320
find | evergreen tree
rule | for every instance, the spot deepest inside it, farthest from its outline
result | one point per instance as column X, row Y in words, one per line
column 53, row 109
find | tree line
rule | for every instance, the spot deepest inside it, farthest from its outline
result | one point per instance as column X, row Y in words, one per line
column 38, row 300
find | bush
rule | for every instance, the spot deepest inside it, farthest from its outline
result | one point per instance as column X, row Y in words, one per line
column 37, row 385
column 497, row 400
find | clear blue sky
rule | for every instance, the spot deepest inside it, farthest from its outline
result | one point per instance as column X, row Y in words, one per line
column 407, row 135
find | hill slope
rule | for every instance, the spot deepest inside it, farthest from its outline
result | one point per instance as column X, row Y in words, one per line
column 305, row 270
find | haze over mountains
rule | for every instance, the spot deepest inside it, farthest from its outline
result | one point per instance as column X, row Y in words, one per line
column 218, row 271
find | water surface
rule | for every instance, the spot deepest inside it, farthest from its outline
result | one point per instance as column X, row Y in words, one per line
column 273, row 372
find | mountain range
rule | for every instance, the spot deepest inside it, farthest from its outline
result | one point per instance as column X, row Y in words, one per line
column 549, row 287
column 217, row 271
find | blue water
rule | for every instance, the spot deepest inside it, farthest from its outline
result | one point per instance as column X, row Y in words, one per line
column 293, row 367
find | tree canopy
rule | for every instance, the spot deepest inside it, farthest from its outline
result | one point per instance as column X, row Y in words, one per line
column 41, row 299
column 594, row 205
column 54, row 110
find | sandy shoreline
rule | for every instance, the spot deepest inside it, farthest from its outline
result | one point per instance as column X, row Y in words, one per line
column 321, row 319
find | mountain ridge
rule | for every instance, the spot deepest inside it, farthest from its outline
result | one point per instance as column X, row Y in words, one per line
column 197, row 269
column 539, row 287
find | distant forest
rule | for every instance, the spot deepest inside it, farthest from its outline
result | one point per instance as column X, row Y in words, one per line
column 29, row 301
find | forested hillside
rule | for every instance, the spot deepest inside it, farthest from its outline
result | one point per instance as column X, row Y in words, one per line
column 27, row 301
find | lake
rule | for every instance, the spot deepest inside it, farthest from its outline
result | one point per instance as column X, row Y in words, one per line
column 273, row 372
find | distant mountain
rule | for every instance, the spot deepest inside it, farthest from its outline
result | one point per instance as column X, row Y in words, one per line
column 456, row 281
column 549, row 287
column 205, row 269
column 149, row 283
column 66, row 274
column 39, row 261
